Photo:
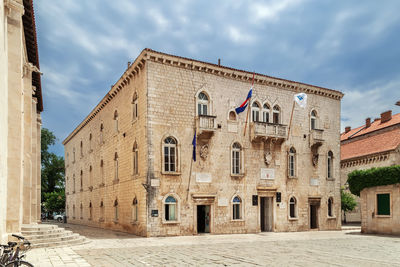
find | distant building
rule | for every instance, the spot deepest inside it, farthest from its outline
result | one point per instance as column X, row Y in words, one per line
column 375, row 144
column 20, row 122
column 129, row 163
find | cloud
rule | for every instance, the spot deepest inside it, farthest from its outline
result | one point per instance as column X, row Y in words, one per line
column 238, row 36
column 272, row 10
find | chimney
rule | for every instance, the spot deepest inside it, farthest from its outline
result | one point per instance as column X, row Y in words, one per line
column 347, row 129
column 367, row 122
column 386, row 116
column 219, row 62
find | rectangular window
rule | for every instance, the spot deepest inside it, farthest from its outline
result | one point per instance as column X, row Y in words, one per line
column 383, row 204
column 276, row 117
column 236, row 211
column 291, row 166
column 172, row 159
column 170, row 212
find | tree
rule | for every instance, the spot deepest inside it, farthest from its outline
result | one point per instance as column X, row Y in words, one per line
column 348, row 202
column 53, row 169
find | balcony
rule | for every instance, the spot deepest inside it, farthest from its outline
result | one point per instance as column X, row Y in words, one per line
column 316, row 138
column 265, row 130
column 206, row 124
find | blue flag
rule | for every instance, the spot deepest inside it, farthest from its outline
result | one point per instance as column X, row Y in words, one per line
column 194, row 146
column 243, row 106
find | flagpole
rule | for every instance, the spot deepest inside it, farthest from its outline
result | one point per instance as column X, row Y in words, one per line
column 248, row 108
column 291, row 117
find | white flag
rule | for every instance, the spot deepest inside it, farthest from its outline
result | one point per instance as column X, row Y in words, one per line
column 301, row 99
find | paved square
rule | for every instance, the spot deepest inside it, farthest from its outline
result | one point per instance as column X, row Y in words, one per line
column 329, row 248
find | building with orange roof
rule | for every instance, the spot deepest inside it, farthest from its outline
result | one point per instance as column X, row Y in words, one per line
column 374, row 144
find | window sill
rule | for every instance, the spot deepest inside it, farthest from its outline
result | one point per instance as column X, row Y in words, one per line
column 171, row 173
column 237, row 220
column 383, row 216
column 171, row 222
column 330, row 179
column 115, row 181
column 237, row 175
column 294, row 177
column 293, row 219
column 134, row 222
column 135, row 176
column 331, row 218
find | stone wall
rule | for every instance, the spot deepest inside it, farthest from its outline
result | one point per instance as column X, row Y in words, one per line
column 380, row 224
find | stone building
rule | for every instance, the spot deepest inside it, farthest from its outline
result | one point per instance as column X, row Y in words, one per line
column 20, row 107
column 129, row 164
column 375, row 144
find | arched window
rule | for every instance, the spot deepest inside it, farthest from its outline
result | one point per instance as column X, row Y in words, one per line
column 330, row 207
column 116, row 210
column 90, row 142
column 81, row 180
column 313, row 120
column 276, row 114
column 236, row 207
column 116, row 121
column 170, row 209
column 255, row 112
column 116, row 166
column 101, row 138
column 74, row 184
column 81, row 211
column 170, row 154
column 135, row 156
column 236, row 158
column 90, row 211
column 232, row 115
column 202, row 104
column 265, row 113
column 90, row 175
column 329, row 165
column 102, row 172
column 292, row 208
column 292, row 162
column 101, row 211
column 134, row 107
column 134, row 210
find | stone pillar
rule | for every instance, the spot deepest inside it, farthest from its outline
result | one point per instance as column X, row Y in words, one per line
column 34, row 160
column 14, row 12
column 38, row 167
column 27, row 143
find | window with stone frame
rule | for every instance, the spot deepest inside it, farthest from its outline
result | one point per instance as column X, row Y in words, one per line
column 134, row 107
column 313, row 120
column 90, row 211
column 232, row 115
column 383, row 204
column 101, row 172
column 329, row 165
column 292, row 163
column 292, row 208
column 330, row 207
column 90, row 176
column 265, row 113
column 134, row 210
column 90, row 142
column 116, row 166
column 116, row 121
column 101, row 134
column 237, row 159
column 135, row 159
column 255, row 112
column 170, row 154
column 116, row 215
column 276, row 114
column 170, row 209
column 81, row 180
column 203, row 104
column 237, row 208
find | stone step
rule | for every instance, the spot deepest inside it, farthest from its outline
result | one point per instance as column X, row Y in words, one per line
column 42, row 232
column 55, row 239
column 74, row 242
column 38, row 227
column 48, row 235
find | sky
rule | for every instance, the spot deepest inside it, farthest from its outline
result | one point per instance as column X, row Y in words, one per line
column 350, row 45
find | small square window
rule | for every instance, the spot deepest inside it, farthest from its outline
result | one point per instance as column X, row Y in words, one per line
column 383, row 204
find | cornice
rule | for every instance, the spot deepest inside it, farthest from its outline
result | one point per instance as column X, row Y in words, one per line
column 195, row 65
column 13, row 5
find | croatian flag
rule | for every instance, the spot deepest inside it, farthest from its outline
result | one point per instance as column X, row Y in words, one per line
column 245, row 103
column 301, row 99
column 194, row 146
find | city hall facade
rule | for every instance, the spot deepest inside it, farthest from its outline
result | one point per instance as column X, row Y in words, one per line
column 130, row 166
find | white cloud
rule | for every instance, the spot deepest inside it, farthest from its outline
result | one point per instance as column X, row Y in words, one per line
column 271, row 10
column 238, row 36
column 157, row 17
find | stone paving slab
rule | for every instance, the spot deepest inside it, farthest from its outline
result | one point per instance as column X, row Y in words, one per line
column 325, row 248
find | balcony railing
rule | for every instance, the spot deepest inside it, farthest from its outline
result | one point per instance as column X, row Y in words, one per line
column 206, row 123
column 268, row 130
column 317, row 134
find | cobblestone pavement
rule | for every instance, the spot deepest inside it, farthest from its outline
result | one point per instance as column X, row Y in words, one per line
column 325, row 248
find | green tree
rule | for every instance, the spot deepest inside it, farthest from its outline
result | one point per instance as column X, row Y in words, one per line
column 52, row 174
column 348, row 202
